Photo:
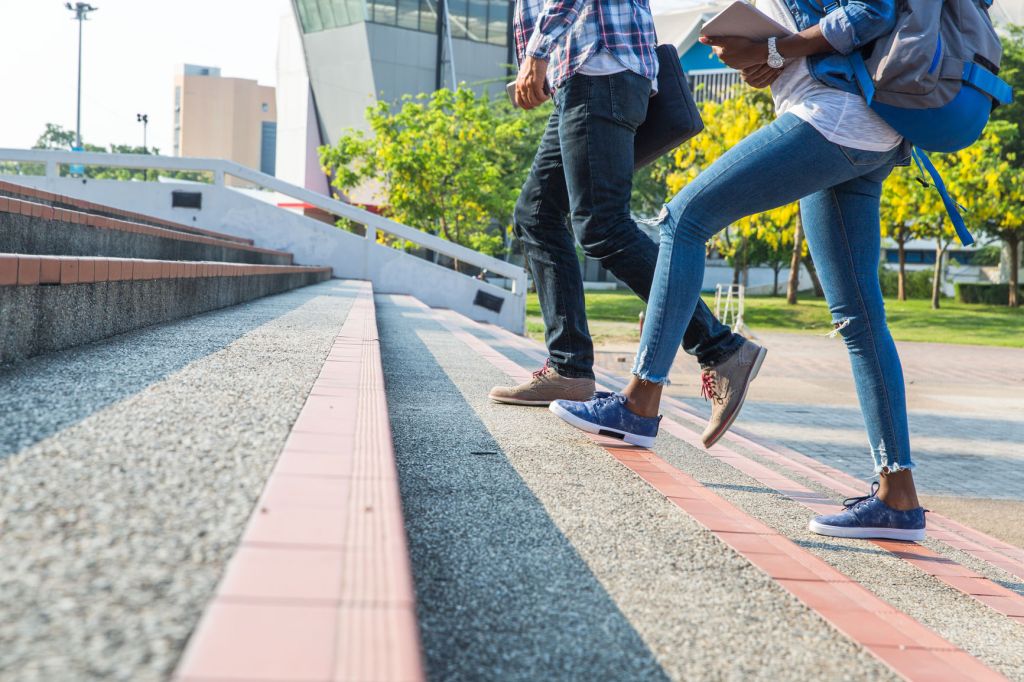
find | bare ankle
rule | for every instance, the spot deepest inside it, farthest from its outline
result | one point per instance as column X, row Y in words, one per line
column 897, row 490
column 643, row 398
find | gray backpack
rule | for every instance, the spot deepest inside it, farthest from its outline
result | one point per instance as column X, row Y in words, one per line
column 933, row 79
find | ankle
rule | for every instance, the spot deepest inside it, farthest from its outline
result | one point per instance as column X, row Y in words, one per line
column 900, row 502
column 897, row 490
column 640, row 410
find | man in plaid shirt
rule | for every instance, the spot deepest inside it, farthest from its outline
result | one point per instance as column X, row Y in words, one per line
column 598, row 57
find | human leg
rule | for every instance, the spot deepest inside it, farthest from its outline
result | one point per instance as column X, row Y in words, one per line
column 842, row 227
column 540, row 223
column 599, row 116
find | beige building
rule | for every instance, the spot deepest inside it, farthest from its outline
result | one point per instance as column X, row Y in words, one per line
column 224, row 118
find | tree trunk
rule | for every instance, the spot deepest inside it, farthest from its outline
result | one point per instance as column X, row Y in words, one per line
column 775, row 283
column 1014, row 245
column 813, row 271
column 737, row 260
column 901, row 278
column 794, row 262
column 937, row 277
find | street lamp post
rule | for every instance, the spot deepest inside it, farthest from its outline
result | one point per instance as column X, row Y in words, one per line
column 81, row 10
column 144, row 120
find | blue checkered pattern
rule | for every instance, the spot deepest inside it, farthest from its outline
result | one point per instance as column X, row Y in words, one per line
column 568, row 32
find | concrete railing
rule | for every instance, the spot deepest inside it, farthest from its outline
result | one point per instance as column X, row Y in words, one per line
column 446, row 288
column 220, row 168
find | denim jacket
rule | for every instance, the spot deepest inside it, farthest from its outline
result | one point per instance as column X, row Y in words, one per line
column 847, row 25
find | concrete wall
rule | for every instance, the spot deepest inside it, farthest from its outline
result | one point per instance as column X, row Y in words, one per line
column 298, row 135
column 312, row 242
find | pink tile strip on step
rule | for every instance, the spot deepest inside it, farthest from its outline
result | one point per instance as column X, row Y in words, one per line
column 320, row 588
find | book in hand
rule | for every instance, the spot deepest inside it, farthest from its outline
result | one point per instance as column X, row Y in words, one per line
column 743, row 20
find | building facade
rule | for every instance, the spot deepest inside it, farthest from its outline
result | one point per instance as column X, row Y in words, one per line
column 225, row 118
column 338, row 57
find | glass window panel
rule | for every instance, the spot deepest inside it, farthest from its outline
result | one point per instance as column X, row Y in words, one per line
column 476, row 24
column 326, row 14
column 356, row 10
column 457, row 10
column 497, row 24
column 341, row 13
column 428, row 16
column 384, row 12
column 309, row 16
column 409, row 13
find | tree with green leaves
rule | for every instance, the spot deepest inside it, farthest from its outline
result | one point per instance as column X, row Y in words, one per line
column 448, row 163
column 768, row 237
column 991, row 185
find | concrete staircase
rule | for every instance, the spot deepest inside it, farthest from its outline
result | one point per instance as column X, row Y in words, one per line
column 72, row 271
column 314, row 486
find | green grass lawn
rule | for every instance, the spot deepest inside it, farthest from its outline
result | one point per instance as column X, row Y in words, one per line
column 614, row 314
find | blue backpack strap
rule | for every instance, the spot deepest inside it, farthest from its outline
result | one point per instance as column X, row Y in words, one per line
column 952, row 208
column 977, row 76
column 860, row 72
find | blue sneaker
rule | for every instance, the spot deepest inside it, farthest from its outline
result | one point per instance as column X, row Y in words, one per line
column 869, row 517
column 606, row 414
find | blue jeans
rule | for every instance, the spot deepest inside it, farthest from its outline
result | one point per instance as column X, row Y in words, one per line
column 584, row 168
column 839, row 191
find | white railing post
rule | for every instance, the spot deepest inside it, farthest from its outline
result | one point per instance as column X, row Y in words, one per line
column 52, row 170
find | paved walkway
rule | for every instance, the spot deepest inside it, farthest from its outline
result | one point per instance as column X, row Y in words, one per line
column 966, row 409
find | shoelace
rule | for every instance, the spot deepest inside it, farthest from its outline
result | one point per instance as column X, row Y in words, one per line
column 708, row 387
column 543, row 370
column 851, row 502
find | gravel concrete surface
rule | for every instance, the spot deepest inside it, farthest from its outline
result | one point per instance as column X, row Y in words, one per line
column 967, row 623
column 114, row 529
column 538, row 557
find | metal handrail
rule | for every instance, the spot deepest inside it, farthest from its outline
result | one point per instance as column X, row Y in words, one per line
column 220, row 168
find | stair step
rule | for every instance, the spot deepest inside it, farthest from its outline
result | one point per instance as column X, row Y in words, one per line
column 320, row 586
column 961, row 623
column 49, row 303
column 34, row 228
column 10, row 189
column 128, row 471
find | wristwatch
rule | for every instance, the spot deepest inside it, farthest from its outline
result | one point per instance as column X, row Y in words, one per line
column 775, row 60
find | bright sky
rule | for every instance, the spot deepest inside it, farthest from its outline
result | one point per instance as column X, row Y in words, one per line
column 132, row 49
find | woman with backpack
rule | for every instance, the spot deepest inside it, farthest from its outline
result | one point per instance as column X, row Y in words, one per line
column 830, row 151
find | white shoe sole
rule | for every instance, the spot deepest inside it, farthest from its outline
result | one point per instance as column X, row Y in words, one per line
column 755, row 368
column 516, row 401
column 583, row 425
column 914, row 535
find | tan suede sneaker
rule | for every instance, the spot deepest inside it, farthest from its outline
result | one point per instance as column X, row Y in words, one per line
column 725, row 385
column 545, row 386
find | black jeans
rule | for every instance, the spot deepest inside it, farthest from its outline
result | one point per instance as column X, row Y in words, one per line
column 584, row 168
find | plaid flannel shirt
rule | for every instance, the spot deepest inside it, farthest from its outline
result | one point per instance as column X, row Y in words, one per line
column 568, row 32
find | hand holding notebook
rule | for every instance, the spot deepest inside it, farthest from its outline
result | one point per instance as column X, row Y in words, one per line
column 746, row 21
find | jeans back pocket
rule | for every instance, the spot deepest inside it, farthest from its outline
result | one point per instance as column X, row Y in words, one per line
column 629, row 94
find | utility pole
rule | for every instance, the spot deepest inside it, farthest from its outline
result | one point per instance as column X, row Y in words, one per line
column 144, row 120
column 81, row 10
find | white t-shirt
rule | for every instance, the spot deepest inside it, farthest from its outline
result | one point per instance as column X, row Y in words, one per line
column 841, row 117
column 602, row 63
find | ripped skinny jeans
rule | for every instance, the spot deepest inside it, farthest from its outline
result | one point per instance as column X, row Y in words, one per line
column 839, row 190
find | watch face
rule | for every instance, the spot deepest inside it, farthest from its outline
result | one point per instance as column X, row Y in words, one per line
column 775, row 61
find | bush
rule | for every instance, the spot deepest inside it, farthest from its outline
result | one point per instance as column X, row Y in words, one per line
column 919, row 282
column 990, row 294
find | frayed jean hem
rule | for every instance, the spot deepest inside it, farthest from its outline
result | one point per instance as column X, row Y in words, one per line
column 893, row 468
